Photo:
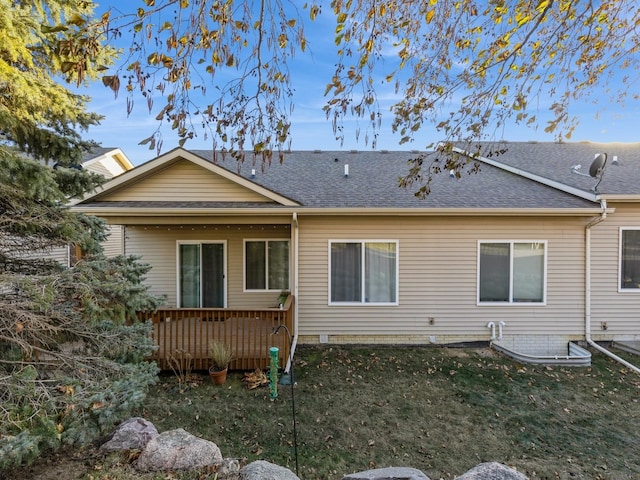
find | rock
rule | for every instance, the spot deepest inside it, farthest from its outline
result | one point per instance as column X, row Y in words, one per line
column 261, row 470
column 228, row 469
column 178, row 450
column 492, row 471
column 390, row 473
column 132, row 434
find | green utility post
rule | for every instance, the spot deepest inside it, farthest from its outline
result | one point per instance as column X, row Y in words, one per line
column 273, row 372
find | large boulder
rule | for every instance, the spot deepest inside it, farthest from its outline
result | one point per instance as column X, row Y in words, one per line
column 178, row 450
column 492, row 471
column 261, row 470
column 390, row 473
column 132, row 434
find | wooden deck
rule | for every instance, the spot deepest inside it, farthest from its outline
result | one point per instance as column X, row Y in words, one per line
column 183, row 335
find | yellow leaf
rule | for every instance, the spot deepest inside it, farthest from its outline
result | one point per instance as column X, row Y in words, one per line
column 542, row 6
column 369, row 45
column 429, row 15
column 313, row 12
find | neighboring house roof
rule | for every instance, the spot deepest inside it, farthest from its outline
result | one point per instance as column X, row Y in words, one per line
column 108, row 161
column 315, row 180
column 555, row 162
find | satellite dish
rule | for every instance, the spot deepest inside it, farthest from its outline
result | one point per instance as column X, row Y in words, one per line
column 597, row 166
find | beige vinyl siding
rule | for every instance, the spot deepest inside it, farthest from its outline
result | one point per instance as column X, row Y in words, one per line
column 157, row 246
column 620, row 311
column 99, row 168
column 438, row 279
column 185, row 181
column 113, row 245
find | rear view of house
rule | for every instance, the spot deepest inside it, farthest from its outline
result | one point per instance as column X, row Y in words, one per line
column 512, row 251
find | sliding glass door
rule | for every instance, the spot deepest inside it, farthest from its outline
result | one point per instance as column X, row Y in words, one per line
column 201, row 275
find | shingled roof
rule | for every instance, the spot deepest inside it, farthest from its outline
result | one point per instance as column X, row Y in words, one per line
column 317, row 179
column 556, row 162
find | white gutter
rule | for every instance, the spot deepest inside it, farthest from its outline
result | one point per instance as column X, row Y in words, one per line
column 587, row 292
column 153, row 212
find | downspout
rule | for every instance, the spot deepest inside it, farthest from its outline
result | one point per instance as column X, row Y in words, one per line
column 587, row 292
column 294, row 291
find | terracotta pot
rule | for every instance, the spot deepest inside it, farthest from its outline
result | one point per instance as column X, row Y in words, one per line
column 218, row 377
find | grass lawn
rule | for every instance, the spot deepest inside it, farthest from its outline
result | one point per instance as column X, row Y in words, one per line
column 440, row 410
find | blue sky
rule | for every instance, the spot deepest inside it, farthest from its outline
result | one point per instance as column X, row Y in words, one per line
column 310, row 128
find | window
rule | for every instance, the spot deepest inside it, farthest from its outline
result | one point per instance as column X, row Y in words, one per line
column 201, row 274
column 266, row 265
column 363, row 272
column 630, row 259
column 512, row 272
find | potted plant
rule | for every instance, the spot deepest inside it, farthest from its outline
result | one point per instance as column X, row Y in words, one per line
column 221, row 355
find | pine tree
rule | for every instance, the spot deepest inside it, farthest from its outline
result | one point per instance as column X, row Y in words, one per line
column 72, row 356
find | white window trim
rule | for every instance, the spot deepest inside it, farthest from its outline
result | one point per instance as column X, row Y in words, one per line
column 200, row 242
column 363, row 303
column 266, row 259
column 620, row 289
column 511, row 303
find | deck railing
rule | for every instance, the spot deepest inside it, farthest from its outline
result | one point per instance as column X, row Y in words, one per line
column 183, row 335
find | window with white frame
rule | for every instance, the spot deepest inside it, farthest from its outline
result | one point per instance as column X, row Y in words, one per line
column 630, row 259
column 266, row 265
column 363, row 272
column 512, row 272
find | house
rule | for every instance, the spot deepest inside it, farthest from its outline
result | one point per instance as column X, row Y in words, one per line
column 108, row 162
column 611, row 298
column 525, row 244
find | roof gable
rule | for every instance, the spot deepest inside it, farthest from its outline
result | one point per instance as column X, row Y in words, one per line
column 109, row 162
column 181, row 176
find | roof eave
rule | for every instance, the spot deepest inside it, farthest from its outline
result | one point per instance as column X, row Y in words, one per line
column 301, row 211
column 621, row 198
